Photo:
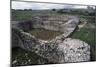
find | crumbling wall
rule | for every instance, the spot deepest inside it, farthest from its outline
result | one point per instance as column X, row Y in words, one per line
column 49, row 22
column 58, row 50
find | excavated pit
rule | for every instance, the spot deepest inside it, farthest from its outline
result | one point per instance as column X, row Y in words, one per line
column 44, row 34
column 31, row 36
column 43, row 27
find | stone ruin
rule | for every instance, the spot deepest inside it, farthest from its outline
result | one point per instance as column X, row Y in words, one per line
column 58, row 50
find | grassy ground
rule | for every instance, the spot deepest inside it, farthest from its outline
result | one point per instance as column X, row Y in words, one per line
column 18, row 15
column 26, row 15
column 87, row 34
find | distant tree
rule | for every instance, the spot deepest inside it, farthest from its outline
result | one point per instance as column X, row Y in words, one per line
column 53, row 9
column 91, row 10
column 25, row 9
column 30, row 9
column 13, row 9
column 90, row 7
column 61, row 11
column 19, row 9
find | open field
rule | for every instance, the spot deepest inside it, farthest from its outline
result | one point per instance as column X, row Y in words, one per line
column 28, row 14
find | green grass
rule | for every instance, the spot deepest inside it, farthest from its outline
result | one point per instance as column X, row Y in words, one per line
column 26, row 15
column 89, row 36
column 21, row 15
column 18, row 15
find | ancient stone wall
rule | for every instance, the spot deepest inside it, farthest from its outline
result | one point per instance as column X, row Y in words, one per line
column 58, row 50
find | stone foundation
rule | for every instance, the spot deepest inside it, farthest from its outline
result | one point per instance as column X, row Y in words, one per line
column 58, row 50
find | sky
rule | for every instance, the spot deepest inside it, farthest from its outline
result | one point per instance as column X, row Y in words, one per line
column 41, row 6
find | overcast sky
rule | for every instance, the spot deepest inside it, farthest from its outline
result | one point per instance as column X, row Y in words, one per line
column 40, row 6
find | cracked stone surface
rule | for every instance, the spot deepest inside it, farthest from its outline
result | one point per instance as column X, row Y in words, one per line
column 58, row 50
